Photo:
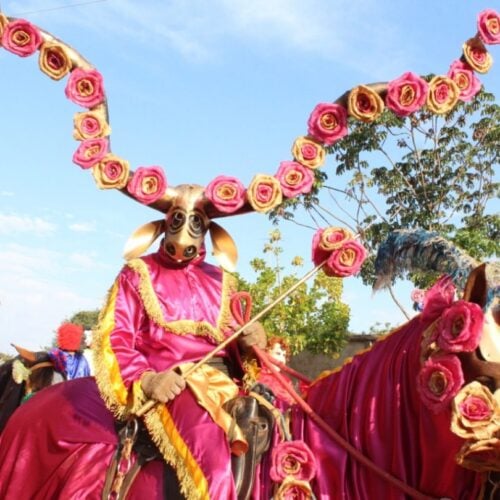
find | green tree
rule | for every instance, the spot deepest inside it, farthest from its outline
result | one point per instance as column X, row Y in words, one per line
column 87, row 319
column 313, row 317
column 424, row 171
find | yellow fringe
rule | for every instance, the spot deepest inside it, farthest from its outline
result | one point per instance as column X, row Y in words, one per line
column 107, row 371
column 183, row 327
column 165, row 435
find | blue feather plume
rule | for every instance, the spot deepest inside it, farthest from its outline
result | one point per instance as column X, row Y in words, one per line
column 421, row 250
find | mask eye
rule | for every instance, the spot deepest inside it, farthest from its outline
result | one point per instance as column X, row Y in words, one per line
column 178, row 220
column 196, row 224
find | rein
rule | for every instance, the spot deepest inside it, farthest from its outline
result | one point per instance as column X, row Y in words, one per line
column 241, row 305
column 269, row 364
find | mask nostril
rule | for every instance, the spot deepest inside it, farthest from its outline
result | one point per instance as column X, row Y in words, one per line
column 190, row 251
column 170, row 249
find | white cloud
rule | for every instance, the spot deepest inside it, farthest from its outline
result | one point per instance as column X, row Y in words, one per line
column 198, row 30
column 85, row 261
column 7, row 194
column 82, row 227
column 12, row 223
column 34, row 297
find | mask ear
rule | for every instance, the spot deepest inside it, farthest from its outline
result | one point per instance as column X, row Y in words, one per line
column 142, row 238
column 224, row 248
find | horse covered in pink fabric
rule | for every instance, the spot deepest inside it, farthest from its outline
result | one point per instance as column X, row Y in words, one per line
column 422, row 406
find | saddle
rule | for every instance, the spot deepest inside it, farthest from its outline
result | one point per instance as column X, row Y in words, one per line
column 255, row 420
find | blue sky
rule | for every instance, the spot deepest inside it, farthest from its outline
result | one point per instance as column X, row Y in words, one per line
column 201, row 88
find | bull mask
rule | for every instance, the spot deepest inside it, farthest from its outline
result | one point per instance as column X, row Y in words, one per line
column 188, row 217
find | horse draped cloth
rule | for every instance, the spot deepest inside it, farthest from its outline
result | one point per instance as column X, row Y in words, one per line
column 158, row 315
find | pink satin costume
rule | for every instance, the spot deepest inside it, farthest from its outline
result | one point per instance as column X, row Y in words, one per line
column 158, row 316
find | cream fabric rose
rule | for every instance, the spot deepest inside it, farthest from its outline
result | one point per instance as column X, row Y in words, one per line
column 364, row 104
column 264, row 193
column 443, row 95
column 308, row 152
column 477, row 56
column 91, row 124
column 476, row 412
column 111, row 172
column 54, row 60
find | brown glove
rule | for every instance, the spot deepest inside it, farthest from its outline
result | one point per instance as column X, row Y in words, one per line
column 253, row 335
column 163, row 386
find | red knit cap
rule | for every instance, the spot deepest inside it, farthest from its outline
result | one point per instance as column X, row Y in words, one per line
column 69, row 336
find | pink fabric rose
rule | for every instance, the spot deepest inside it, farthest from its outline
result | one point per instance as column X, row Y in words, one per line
column 21, row 38
column 328, row 123
column 438, row 298
column 292, row 458
column 91, row 152
column 294, row 178
column 148, row 184
column 85, row 87
column 488, row 26
column 346, row 261
column 325, row 241
column 460, row 327
column 439, row 381
column 406, row 94
column 264, row 193
column 226, row 193
column 467, row 82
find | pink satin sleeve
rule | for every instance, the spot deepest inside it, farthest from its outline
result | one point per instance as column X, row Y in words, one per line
column 128, row 317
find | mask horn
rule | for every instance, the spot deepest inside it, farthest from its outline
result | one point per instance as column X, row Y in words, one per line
column 142, row 238
column 224, row 248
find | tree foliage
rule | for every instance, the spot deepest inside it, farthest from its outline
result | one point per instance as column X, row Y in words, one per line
column 87, row 319
column 312, row 317
column 424, row 171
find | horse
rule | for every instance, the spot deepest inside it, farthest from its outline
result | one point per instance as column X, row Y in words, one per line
column 395, row 405
column 23, row 377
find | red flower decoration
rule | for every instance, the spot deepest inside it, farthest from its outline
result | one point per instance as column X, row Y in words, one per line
column 292, row 458
column 438, row 298
column 91, row 152
column 460, row 327
column 439, row 381
column 488, row 25
column 346, row 261
column 294, row 178
column 226, row 193
column 148, row 184
column 328, row 123
column 21, row 38
column 85, row 88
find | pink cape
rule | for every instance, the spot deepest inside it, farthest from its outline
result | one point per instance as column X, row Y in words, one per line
column 373, row 402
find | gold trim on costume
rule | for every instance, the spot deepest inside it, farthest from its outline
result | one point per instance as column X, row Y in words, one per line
column 164, row 433
column 107, row 371
column 183, row 327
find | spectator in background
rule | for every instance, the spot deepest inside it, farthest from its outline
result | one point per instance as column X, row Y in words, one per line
column 68, row 357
